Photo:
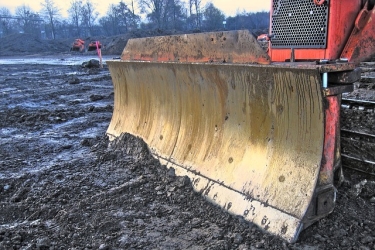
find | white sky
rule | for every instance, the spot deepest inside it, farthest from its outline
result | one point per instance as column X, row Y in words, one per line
column 229, row 7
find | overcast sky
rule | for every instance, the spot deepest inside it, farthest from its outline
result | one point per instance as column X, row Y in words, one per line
column 229, row 7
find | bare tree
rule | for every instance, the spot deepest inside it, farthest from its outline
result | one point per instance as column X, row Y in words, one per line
column 257, row 22
column 124, row 15
column 24, row 12
column 119, row 19
column 29, row 21
column 4, row 12
column 213, row 17
column 175, row 17
column 162, row 12
column 136, row 19
column 52, row 12
column 5, row 21
column 109, row 22
column 127, row 17
column 75, row 15
column 88, row 15
column 195, row 13
column 154, row 10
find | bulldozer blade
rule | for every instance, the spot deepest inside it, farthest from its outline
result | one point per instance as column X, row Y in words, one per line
column 258, row 140
column 237, row 46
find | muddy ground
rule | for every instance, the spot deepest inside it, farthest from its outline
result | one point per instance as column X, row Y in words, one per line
column 62, row 187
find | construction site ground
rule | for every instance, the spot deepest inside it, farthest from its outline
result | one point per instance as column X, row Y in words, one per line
column 63, row 187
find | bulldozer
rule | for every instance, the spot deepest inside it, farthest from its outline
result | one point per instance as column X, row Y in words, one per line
column 78, row 45
column 94, row 45
column 256, row 131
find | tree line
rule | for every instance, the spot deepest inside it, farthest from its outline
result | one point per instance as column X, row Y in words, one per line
column 83, row 18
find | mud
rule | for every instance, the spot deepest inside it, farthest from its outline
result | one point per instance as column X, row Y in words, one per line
column 63, row 186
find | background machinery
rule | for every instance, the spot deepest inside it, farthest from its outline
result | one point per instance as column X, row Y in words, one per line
column 78, row 45
column 94, row 45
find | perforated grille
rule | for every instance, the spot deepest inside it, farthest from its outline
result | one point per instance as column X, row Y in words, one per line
column 299, row 24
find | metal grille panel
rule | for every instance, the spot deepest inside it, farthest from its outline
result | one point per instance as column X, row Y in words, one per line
column 299, row 24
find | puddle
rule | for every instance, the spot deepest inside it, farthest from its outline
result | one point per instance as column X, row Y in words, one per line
column 40, row 167
column 8, row 90
column 7, row 131
column 93, row 131
column 29, row 104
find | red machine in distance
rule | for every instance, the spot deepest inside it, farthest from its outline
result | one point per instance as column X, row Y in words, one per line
column 94, row 45
column 78, row 45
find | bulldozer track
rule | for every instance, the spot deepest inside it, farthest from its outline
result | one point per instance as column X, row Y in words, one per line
column 364, row 105
column 355, row 158
column 358, row 141
column 367, row 137
column 366, row 167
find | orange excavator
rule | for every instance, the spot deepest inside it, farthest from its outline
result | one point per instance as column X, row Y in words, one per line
column 78, row 45
column 257, row 132
column 94, row 45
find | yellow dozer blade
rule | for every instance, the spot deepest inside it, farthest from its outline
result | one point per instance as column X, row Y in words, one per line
column 249, row 134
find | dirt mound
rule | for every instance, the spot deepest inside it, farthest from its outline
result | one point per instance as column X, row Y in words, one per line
column 26, row 44
column 18, row 44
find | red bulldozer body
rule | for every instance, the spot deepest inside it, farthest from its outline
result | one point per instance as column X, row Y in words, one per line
column 94, row 45
column 78, row 45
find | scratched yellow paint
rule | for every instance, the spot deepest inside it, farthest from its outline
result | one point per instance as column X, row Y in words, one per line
column 256, row 129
